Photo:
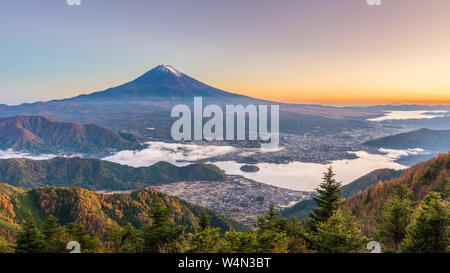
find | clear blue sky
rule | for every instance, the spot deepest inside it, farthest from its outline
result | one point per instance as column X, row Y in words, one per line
column 290, row 50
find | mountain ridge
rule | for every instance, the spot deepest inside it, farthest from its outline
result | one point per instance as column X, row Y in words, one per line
column 428, row 139
column 96, row 174
column 163, row 81
column 421, row 179
column 146, row 102
column 38, row 134
column 97, row 211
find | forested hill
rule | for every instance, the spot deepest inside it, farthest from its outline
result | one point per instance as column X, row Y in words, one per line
column 38, row 134
column 95, row 174
column 433, row 175
column 96, row 211
column 433, row 140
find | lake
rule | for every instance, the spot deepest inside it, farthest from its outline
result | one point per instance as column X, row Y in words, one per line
column 295, row 175
column 307, row 176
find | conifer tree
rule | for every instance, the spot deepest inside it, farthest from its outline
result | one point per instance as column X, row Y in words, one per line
column 328, row 200
column 205, row 241
column 271, row 232
column 123, row 240
column 394, row 217
column 338, row 234
column 30, row 239
column 271, row 221
column 239, row 242
column 162, row 236
column 297, row 236
column 132, row 240
column 429, row 230
column 113, row 237
column 77, row 232
column 54, row 235
column 204, row 221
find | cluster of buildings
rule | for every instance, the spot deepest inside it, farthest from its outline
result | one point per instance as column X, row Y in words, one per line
column 240, row 198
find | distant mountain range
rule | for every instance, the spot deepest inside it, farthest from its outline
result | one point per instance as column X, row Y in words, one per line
column 432, row 140
column 302, row 209
column 37, row 134
column 146, row 103
column 96, row 211
column 95, row 174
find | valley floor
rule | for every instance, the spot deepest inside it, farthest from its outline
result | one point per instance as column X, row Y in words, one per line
column 239, row 198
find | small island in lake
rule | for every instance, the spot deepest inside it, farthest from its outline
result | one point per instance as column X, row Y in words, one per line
column 249, row 168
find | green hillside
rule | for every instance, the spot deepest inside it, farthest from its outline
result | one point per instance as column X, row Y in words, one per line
column 95, row 174
column 97, row 211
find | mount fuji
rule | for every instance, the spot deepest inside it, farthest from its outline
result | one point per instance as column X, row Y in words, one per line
column 164, row 83
column 146, row 102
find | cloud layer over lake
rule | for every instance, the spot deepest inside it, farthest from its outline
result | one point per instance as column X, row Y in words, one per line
column 295, row 175
column 307, row 176
column 174, row 153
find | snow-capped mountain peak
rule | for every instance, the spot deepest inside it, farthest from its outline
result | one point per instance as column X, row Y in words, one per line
column 169, row 69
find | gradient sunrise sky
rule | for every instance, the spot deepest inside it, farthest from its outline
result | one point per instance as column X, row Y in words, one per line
column 311, row 51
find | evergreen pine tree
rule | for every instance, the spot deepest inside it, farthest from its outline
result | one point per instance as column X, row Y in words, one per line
column 328, row 200
column 394, row 217
column 338, row 234
column 205, row 241
column 123, row 239
column 162, row 236
column 113, row 237
column 429, row 230
column 132, row 240
column 270, row 221
column 239, row 242
column 297, row 236
column 203, row 222
column 77, row 232
column 271, row 232
column 30, row 239
column 54, row 235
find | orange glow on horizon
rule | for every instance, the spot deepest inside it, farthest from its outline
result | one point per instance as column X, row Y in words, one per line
column 369, row 97
column 373, row 98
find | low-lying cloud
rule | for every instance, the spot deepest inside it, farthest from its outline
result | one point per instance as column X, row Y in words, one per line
column 10, row 153
column 404, row 115
column 175, row 153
